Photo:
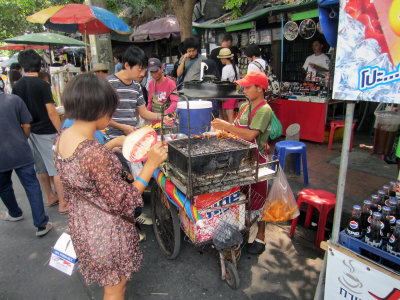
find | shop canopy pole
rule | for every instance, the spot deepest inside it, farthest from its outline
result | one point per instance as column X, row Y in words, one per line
column 281, row 46
column 344, row 159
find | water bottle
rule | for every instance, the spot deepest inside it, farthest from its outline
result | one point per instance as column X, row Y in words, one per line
column 393, row 245
column 374, row 231
column 354, row 227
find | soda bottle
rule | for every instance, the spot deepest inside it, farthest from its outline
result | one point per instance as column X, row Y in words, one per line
column 375, row 201
column 386, row 211
column 393, row 245
column 386, row 188
column 374, row 231
column 398, row 207
column 366, row 214
column 392, row 192
column 393, row 207
column 382, row 198
column 354, row 228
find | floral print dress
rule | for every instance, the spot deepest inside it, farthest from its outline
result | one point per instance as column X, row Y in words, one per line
column 107, row 246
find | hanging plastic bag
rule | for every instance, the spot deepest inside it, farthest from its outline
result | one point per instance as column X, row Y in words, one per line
column 276, row 128
column 281, row 205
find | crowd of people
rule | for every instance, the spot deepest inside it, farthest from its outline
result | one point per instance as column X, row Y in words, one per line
column 78, row 164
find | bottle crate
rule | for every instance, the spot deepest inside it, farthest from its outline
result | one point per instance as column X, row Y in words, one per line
column 373, row 253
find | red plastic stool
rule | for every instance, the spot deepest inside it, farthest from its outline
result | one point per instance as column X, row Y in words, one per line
column 338, row 124
column 321, row 200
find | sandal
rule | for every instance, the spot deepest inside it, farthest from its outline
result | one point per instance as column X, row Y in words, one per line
column 6, row 217
column 52, row 204
column 63, row 212
column 257, row 247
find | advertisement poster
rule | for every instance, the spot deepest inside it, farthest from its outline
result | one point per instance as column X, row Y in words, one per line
column 349, row 278
column 368, row 51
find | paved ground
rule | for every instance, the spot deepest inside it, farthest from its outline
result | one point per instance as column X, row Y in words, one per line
column 288, row 269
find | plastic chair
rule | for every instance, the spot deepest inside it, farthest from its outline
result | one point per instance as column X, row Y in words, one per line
column 321, row 200
column 338, row 124
column 284, row 148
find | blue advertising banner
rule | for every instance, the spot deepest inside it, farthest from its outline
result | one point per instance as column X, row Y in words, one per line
column 368, row 51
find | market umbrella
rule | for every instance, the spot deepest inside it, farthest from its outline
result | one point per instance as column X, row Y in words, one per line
column 162, row 28
column 87, row 19
column 23, row 47
column 44, row 38
column 8, row 62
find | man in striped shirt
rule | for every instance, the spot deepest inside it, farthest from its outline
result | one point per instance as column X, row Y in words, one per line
column 132, row 104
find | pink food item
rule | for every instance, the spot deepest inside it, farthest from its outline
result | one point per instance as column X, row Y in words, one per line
column 137, row 145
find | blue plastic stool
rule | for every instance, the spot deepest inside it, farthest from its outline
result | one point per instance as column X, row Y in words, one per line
column 284, row 148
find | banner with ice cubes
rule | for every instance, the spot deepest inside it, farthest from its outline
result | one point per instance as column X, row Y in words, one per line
column 368, row 51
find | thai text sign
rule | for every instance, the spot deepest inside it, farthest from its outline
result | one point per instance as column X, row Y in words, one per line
column 350, row 278
column 368, row 51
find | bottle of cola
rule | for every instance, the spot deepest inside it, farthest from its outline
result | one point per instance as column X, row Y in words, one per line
column 386, row 188
column 366, row 214
column 398, row 207
column 392, row 192
column 386, row 211
column 375, row 203
column 374, row 231
column 382, row 199
column 393, row 245
column 393, row 207
column 354, row 228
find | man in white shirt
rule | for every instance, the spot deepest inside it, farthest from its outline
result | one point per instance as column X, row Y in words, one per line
column 318, row 62
column 256, row 63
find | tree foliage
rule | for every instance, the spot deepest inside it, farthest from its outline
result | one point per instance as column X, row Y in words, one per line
column 235, row 5
column 13, row 15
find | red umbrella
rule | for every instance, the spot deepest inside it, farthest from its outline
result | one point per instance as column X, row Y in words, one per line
column 23, row 47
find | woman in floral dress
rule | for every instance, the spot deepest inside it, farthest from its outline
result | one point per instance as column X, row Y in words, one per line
column 106, row 244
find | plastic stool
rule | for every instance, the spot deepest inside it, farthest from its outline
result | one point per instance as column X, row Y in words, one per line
column 284, row 148
column 321, row 200
column 338, row 124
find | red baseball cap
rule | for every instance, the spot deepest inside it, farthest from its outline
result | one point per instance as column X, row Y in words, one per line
column 254, row 78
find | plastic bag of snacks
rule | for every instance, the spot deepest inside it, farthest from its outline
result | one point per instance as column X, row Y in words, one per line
column 281, row 205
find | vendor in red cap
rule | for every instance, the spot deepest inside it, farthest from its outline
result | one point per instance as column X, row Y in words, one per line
column 255, row 83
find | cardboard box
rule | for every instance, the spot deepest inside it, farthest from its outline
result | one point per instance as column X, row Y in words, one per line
column 235, row 215
column 63, row 256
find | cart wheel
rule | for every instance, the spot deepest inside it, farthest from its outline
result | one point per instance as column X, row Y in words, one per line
column 232, row 275
column 165, row 223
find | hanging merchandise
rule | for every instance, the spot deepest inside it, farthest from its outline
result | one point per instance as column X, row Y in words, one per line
column 244, row 39
column 290, row 30
column 307, row 29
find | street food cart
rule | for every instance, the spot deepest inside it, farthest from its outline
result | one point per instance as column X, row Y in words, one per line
column 209, row 176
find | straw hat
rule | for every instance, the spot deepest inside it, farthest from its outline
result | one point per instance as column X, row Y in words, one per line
column 225, row 53
column 99, row 67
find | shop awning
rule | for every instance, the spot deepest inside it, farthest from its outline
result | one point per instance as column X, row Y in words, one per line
column 254, row 15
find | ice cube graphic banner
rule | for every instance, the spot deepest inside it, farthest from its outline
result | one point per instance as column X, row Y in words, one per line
column 368, row 51
column 347, row 277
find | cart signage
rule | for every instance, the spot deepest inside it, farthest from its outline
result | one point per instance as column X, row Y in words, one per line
column 368, row 51
column 349, row 278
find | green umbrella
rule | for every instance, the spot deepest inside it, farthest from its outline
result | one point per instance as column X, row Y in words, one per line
column 45, row 38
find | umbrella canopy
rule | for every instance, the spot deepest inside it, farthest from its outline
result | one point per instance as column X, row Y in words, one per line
column 44, row 38
column 23, row 47
column 162, row 28
column 79, row 17
column 8, row 62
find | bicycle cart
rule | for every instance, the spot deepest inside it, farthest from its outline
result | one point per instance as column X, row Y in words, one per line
column 209, row 178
